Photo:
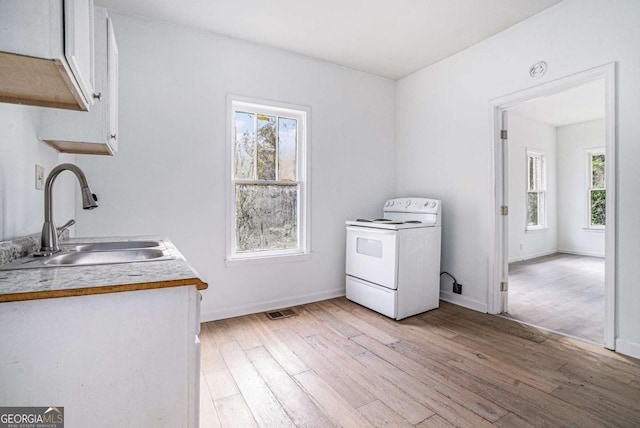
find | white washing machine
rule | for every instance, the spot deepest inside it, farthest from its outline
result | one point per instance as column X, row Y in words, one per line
column 393, row 263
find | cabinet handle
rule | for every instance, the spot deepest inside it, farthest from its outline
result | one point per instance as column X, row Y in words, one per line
column 97, row 96
column 113, row 136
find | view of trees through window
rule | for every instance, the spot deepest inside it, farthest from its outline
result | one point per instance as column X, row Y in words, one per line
column 265, row 182
column 266, row 217
column 597, row 192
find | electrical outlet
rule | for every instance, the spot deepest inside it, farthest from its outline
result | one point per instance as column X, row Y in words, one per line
column 457, row 288
column 39, row 177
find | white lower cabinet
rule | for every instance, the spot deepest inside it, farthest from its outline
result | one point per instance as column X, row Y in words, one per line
column 128, row 359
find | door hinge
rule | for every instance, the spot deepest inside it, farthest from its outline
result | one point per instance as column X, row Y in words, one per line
column 504, row 286
column 504, row 210
column 503, row 134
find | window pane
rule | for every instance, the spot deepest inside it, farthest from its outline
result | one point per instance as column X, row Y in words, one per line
column 266, row 217
column 598, row 205
column 535, row 172
column 530, row 169
column 287, row 137
column 597, row 171
column 245, row 141
column 532, row 209
column 266, row 147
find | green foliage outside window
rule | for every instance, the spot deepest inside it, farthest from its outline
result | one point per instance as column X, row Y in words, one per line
column 598, row 206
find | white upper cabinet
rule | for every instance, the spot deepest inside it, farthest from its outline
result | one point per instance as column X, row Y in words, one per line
column 96, row 131
column 46, row 53
column 80, row 54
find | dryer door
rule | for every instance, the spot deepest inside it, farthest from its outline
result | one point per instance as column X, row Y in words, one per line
column 372, row 255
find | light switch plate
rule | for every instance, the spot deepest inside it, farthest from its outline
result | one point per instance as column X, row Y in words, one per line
column 39, row 177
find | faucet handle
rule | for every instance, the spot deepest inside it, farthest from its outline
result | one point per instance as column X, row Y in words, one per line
column 65, row 226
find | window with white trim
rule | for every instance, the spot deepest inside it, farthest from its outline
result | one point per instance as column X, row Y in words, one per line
column 597, row 196
column 268, row 209
column 536, row 194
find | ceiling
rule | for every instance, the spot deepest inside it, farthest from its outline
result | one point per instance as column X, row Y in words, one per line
column 382, row 37
column 575, row 105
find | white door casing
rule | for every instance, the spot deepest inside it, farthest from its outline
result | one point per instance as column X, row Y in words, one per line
column 498, row 258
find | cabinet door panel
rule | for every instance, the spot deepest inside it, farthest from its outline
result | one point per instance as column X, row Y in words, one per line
column 112, row 70
column 78, row 44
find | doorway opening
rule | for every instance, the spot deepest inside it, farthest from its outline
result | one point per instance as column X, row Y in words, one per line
column 555, row 171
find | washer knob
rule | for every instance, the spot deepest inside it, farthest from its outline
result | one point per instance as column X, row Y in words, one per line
column 406, row 205
column 433, row 204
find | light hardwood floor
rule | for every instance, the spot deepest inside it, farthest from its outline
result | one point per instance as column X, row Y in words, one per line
column 560, row 292
column 339, row 364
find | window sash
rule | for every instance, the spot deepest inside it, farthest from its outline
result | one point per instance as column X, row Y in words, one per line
column 278, row 232
column 592, row 209
column 279, row 120
column 540, row 210
column 534, row 169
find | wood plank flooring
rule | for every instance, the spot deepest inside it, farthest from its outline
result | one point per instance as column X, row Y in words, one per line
column 339, row 364
column 560, row 292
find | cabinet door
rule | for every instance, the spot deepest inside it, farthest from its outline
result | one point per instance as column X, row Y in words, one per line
column 78, row 44
column 112, row 76
column 96, row 131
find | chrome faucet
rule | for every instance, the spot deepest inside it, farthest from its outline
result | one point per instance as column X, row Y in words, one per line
column 50, row 233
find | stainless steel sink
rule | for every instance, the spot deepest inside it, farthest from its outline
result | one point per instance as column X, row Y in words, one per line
column 97, row 253
column 106, row 257
column 112, row 246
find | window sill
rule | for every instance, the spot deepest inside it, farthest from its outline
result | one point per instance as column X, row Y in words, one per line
column 537, row 229
column 594, row 229
column 257, row 261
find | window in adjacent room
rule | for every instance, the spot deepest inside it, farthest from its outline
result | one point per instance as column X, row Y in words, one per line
column 536, row 195
column 268, row 192
column 596, row 190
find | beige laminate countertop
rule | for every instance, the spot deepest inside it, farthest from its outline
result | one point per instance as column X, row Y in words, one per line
column 66, row 281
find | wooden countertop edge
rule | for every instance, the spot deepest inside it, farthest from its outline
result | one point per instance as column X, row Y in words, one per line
column 51, row 294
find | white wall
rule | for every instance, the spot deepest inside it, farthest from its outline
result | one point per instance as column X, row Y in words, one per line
column 444, row 135
column 21, row 205
column 573, row 141
column 169, row 176
column 531, row 134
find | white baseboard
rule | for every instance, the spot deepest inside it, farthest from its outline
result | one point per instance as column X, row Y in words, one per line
column 627, row 347
column 271, row 305
column 532, row 256
column 581, row 253
column 466, row 302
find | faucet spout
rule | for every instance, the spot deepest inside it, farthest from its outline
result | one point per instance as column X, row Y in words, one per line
column 49, row 238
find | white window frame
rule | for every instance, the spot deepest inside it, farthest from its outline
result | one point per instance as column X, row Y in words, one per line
column 542, row 192
column 302, row 114
column 589, row 181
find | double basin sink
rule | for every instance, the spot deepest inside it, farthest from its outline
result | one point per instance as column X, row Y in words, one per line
column 97, row 253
